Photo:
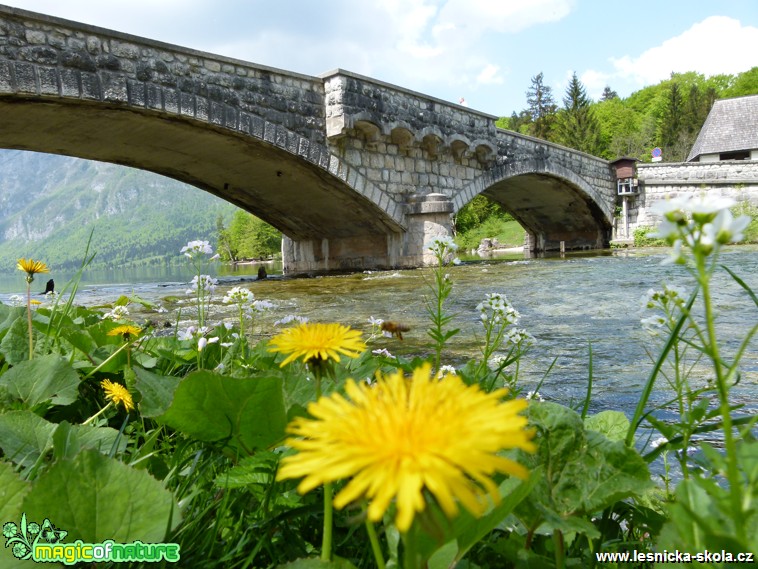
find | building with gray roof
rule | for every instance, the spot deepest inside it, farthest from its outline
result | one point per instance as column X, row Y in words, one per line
column 730, row 132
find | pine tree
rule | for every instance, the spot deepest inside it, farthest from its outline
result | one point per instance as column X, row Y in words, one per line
column 577, row 126
column 542, row 108
column 608, row 94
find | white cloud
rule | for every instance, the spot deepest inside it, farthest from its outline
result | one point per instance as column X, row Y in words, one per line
column 716, row 45
column 489, row 75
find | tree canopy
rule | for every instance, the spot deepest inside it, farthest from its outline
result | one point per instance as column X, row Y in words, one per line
column 668, row 115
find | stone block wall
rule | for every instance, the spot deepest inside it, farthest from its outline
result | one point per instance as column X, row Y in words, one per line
column 48, row 56
column 736, row 179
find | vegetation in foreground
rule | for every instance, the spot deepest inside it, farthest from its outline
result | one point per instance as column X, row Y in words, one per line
column 313, row 450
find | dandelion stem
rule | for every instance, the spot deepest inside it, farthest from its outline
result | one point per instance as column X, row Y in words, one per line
column 326, row 540
column 29, row 316
column 410, row 556
column 375, row 547
column 96, row 415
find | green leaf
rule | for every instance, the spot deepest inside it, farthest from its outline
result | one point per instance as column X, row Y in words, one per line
column 46, row 378
column 69, row 440
column 612, row 424
column 157, row 391
column 24, row 436
column 584, row 472
column 15, row 344
column 95, row 498
column 247, row 413
column 9, row 314
column 12, row 493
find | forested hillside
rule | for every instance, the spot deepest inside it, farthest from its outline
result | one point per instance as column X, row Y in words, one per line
column 50, row 204
column 668, row 115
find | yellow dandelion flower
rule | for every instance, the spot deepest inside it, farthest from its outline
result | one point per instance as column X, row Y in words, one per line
column 118, row 394
column 126, row 330
column 31, row 268
column 398, row 437
column 317, row 341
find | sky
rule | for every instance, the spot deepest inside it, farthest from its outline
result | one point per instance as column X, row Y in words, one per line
column 485, row 52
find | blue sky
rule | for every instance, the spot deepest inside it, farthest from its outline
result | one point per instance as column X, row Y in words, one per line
column 485, row 51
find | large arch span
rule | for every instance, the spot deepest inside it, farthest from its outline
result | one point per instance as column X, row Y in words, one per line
column 300, row 197
column 552, row 203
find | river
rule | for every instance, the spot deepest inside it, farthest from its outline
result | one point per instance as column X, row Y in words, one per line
column 567, row 304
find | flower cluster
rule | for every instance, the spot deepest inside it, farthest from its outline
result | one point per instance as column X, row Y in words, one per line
column 291, row 318
column 519, row 337
column 202, row 284
column 667, row 304
column 443, row 246
column 701, row 223
column 496, row 309
column 116, row 313
column 201, row 334
column 196, row 248
column 238, row 295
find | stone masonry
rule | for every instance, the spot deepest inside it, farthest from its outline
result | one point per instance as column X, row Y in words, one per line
column 355, row 172
column 737, row 179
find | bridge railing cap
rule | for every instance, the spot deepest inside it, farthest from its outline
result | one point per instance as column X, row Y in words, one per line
column 345, row 73
column 55, row 20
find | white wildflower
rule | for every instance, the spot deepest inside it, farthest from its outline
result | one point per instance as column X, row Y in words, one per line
column 187, row 334
column 262, row 305
column 238, row 295
column 196, row 248
column 382, row 352
column 534, row 395
column 202, row 283
column 496, row 362
column 116, row 313
column 520, row 337
column 203, row 341
column 16, row 300
column 291, row 318
column 446, row 370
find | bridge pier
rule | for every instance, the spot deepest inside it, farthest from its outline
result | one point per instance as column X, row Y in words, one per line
column 537, row 243
column 427, row 217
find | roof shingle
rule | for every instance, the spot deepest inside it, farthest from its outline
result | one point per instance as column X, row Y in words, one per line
column 731, row 126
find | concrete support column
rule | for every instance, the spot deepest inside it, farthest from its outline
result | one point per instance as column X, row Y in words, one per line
column 428, row 217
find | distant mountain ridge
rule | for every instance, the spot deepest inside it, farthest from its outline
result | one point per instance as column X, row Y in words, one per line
column 50, row 204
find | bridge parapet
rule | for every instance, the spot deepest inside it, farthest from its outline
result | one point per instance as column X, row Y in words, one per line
column 45, row 56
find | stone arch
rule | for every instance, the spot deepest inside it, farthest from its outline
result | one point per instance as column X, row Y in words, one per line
column 401, row 134
column 430, row 138
column 262, row 167
column 551, row 202
column 484, row 150
column 459, row 145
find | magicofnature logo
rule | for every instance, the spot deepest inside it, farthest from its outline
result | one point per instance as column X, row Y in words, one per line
column 43, row 543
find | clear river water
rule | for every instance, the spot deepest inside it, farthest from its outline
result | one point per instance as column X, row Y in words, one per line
column 567, row 304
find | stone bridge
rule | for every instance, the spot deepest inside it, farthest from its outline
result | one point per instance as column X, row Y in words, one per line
column 356, row 173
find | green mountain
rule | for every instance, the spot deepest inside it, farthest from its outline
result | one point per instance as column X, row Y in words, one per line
column 49, row 206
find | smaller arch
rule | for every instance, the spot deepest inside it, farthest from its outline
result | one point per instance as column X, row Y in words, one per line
column 401, row 134
column 430, row 138
column 459, row 145
column 484, row 150
column 368, row 130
